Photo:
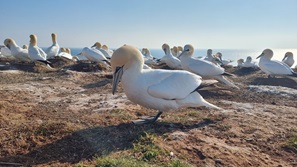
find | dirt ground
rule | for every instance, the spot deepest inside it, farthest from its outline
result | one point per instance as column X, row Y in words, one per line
column 67, row 115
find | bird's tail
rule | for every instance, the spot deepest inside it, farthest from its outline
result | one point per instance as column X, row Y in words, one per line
column 225, row 81
column 46, row 62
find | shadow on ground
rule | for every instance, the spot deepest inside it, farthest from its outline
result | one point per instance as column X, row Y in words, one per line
column 85, row 144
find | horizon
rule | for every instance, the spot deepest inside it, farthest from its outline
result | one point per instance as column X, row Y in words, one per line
column 227, row 24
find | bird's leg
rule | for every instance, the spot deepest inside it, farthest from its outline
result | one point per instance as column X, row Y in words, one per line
column 148, row 120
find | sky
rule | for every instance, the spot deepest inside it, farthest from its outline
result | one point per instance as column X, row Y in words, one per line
column 224, row 24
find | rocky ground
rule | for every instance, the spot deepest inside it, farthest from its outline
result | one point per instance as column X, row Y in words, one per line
column 67, row 116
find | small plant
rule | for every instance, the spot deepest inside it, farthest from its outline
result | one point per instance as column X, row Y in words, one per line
column 147, row 148
column 292, row 143
column 115, row 162
column 178, row 163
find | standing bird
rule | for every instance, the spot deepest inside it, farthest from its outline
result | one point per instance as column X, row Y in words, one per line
column 170, row 60
column 158, row 89
column 16, row 51
column 274, row 67
column 53, row 50
column 288, row 59
column 36, row 53
column 203, row 68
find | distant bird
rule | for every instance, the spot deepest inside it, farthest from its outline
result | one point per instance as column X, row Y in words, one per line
column 109, row 51
column 94, row 55
column 157, row 89
column 240, row 62
column 289, row 59
column 4, row 51
column 179, row 50
column 202, row 67
column 209, row 56
column 65, row 53
column 25, row 47
column 247, row 63
column 36, row 53
column 224, row 62
column 98, row 46
column 16, row 51
column 169, row 59
column 174, row 51
column 274, row 67
column 148, row 58
column 53, row 50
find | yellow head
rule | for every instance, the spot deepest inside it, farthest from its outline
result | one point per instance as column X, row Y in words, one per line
column 33, row 40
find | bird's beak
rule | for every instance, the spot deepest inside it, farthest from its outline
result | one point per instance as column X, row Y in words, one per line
column 8, row 46
column 181, row 54
column 219, row 60
column 117, row 75
column 260, row 55
column 285, row 57
column 93, row 45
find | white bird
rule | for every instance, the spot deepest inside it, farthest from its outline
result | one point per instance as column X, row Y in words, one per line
column 224, row 62
column 35, row 52
column 105, row 47
column 288, row 59
column 202, row 67
column 53, row 50
column 94, row 55
column 148, row 58
column 179, row 50
column 240, row 62
column 4, row 51
column 209, row 56
column 169, row 59
column 174, row 51
column 65, row 53
column 98, row 46
column 16, row 51
column 274, row 67
column 158, row 89
column 248, row 63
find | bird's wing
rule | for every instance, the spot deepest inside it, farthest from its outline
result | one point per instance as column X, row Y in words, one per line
column 204, row 68
column 277, row 67
column 174, row 85
column 42, row 53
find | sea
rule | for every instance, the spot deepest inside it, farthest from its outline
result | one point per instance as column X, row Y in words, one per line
column 227, row 54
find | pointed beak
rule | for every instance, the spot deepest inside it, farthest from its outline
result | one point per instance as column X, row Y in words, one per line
column 218, row 60
column 285, row 57
column 181, row 54
column 260, row 55
column 8, row 46
column 117, row 75
column 93, row 46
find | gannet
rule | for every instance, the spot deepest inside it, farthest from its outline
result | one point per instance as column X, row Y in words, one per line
column 53, row 50
column 105, row 47
column 65, row 52
column 5, row 52
column 288, row 59
column 158, row 89
column 25, row 47
column 98, row 46
column 248, row 63
column 274, row 67
column 148, row 58
column 94, row 55
column 224, row 62
column 174, row 51
column 179, row 50
column 169, row 59
column 240, row 62
column 35, row 52
column 209, row 56
column 202, row 67
column 16, row 51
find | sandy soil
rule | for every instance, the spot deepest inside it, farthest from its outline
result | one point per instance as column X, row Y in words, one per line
column 67, row 115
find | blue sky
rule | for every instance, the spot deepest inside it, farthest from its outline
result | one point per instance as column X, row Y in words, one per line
column 224, row 24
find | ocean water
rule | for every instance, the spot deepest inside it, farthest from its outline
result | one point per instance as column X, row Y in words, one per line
column 228, row 54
